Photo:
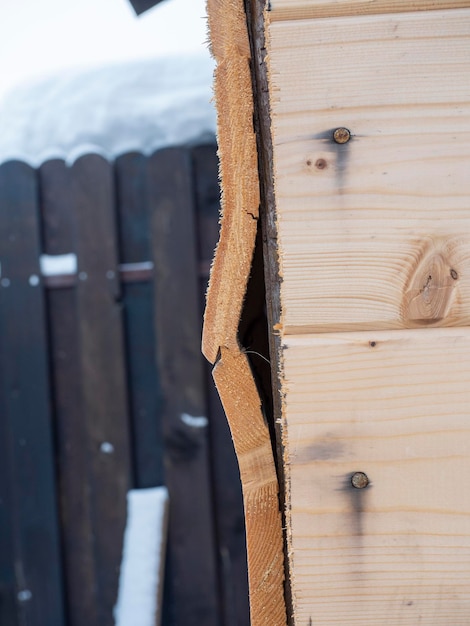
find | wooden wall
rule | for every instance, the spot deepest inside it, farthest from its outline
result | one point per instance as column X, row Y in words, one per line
column 370, row 127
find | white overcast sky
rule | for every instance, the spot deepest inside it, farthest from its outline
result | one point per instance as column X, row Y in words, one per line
column 41, row 37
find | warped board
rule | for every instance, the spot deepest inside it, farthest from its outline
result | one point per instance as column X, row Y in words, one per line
column 374, row 254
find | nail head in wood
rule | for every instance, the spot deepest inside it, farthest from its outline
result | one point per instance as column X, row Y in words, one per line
column 359, row 480
column 342, row 135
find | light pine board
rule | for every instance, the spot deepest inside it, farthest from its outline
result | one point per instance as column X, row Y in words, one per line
column 374, row 233
column 302, row 9
column 395, row 405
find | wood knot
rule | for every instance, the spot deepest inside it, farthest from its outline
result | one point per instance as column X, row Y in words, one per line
column 430, row 290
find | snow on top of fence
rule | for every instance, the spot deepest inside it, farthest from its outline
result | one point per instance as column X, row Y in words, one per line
column 134, row 106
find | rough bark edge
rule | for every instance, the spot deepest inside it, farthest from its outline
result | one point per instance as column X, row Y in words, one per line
column 258, row 19
column 225, row 297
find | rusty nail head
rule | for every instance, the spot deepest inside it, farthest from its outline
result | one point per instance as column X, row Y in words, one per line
column 359, row 480
column 342, row 135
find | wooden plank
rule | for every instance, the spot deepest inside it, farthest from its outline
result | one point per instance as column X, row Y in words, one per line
column 194, row 589
column 102, row 371
column 239, row 395
column 239, row 176
column 228, row 503
column 229, row 278
column 32, row 579
column 145, row 394
column 373, row 233
column 311, row 9
column 393, row 405
column 75, row 484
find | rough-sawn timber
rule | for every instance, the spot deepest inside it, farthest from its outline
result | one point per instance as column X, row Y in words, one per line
column 228, row 283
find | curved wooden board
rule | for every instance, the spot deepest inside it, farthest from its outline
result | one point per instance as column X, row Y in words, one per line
column 237, row 389
column 238, row 174
column 225, row 297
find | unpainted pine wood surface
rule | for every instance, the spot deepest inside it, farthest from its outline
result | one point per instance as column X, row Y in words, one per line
column 374, row 238
column 394, row 405
column 238, row 173
column 225, row 297
column 373, row 233
column 303, row 9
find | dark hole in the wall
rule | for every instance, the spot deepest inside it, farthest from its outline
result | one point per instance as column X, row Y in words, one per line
column 253, row 334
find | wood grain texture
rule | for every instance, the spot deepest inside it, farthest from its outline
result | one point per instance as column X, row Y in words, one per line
column 237, row 389
column 308, row 9
column 225, row 297
column 392, row 404
column 374, row 233
column 238, row 173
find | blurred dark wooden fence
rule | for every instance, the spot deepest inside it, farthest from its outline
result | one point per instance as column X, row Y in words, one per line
column 97, row 368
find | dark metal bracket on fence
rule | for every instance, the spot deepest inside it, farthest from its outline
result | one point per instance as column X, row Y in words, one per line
column 128, row 273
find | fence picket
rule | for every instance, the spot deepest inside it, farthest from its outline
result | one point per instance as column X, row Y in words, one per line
column 32, row 560
column 192, row 582
column 71, row 429
column 102, row 371
column 145, row 395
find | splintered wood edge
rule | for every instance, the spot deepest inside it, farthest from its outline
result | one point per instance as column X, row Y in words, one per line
column 238, row 173
column 227, row 287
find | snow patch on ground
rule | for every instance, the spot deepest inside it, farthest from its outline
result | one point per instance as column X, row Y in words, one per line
column 134, row 106
column 142, row 560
